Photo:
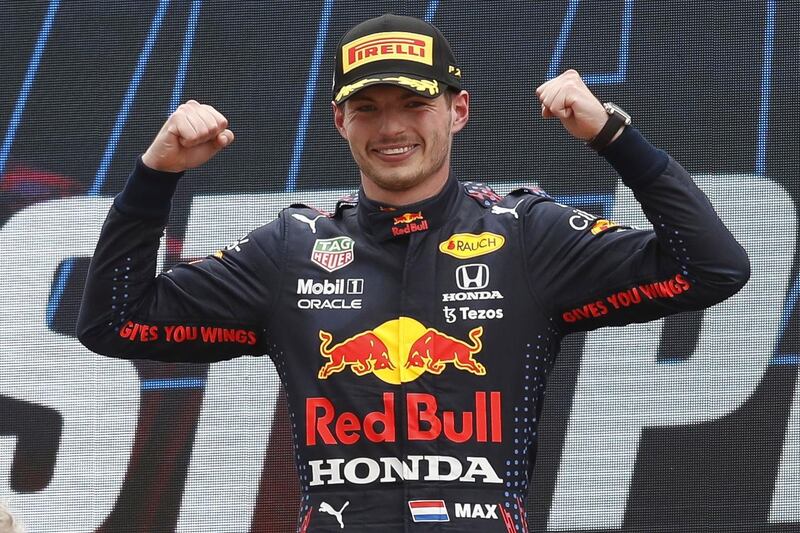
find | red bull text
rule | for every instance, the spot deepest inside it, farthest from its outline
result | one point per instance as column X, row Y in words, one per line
column 425, row 421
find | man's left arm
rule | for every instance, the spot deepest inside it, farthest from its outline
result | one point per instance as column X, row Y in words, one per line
column 689, row 261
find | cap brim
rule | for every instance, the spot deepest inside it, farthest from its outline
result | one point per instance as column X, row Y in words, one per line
column 422, row 86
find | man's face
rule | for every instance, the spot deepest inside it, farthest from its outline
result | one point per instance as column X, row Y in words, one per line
column 398, row 138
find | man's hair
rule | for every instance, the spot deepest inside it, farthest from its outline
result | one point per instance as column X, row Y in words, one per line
column 8, row 524
column 448, row 94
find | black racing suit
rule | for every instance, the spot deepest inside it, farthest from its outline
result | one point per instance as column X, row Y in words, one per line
column 414, row 343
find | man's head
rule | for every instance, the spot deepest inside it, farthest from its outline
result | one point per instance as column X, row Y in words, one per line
column 397, row 100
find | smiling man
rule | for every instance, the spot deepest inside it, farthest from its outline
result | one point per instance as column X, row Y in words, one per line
column 415, row 327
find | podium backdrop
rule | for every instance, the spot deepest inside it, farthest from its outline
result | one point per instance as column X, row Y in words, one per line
column 689, row 424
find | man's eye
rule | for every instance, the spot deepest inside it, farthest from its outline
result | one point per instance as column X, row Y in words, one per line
column 415, row 103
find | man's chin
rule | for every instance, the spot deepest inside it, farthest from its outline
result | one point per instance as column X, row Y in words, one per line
column 397, row 182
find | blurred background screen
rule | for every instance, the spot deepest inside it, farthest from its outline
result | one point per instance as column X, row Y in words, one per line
column 689, row 424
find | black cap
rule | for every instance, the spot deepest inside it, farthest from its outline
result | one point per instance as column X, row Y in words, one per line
column 398, row 50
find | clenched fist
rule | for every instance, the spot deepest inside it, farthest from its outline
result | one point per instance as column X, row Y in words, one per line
column 567, row 98
column 192, row 135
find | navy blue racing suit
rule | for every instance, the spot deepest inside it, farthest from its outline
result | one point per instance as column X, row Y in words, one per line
column 414, row 342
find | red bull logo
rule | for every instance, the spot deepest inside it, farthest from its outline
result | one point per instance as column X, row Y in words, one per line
column 363, row 353
column 434, row 349
column 409, row 223
column 423, row 419
column 408, row 218
column 399, row 351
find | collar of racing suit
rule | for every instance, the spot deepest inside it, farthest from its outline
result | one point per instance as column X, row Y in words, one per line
column 387, row 222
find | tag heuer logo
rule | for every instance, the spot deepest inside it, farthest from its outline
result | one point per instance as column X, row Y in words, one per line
column 333, row 254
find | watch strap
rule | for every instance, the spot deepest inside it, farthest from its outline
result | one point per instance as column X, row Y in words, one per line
column 617, row 119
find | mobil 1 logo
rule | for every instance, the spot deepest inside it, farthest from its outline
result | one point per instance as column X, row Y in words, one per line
column 473, row 280
column 329, row 294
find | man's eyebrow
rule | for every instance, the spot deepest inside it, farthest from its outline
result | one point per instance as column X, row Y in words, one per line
column 360, row 98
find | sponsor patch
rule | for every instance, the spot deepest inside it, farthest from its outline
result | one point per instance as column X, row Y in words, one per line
column 409, row 223
column 365, row 470
column 401, row 45
column 602, row 225
column 399, row 359
column 416, row 416
column 325, row 507
column 333, row 254
column 469, row 245
column 408, row 218
column 311, row 222
column 452, row 314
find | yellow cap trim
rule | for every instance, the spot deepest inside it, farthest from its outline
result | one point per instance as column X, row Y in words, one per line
column 429, row 86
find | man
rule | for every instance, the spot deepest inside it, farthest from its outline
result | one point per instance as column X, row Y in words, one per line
column 414, row 328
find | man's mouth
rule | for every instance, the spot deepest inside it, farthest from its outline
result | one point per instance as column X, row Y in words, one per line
column 396, row 150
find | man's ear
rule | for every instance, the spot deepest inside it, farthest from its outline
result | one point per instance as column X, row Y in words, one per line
column 459, row 110
column 338, row 118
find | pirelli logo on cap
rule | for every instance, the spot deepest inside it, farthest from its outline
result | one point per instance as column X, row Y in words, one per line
column 387, row 45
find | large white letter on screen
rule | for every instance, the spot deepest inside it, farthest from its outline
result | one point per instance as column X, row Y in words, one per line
column 620, row 392
column 97, row 397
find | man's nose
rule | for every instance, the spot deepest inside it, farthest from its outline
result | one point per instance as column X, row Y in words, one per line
column 391, row 123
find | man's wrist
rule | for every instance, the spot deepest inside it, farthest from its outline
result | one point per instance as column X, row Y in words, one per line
column 634, row 158
column 616, row 121
column 152, row 163
column 148, row 192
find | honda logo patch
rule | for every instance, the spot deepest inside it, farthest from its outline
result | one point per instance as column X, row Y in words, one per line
column 472, row 277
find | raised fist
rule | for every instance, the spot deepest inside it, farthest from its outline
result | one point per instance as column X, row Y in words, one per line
column 567, row 98
column 192, row 135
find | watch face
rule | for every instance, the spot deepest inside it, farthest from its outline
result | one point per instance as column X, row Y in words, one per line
column 614, row 109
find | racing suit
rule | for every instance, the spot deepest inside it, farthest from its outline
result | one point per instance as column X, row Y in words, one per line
column 414, row 343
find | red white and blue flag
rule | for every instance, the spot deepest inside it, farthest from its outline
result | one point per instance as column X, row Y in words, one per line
column 428, row 511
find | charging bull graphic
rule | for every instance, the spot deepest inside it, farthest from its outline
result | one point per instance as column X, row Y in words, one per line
column 399, row 351
column 434, row 349
column 363, row 353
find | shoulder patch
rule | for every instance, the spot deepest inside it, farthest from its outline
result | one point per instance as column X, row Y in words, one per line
column 481, row 193
column 602, row 225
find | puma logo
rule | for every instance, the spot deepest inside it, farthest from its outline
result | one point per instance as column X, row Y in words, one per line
column 324, row 507
column 305, row 220
column 498, row 210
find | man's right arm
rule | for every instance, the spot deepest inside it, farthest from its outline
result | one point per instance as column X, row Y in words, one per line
column 207, row 310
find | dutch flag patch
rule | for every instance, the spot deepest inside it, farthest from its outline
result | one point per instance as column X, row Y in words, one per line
column 428, row 511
